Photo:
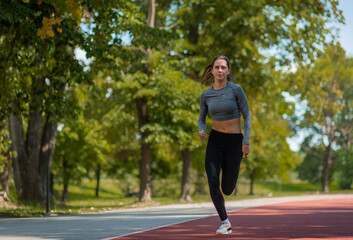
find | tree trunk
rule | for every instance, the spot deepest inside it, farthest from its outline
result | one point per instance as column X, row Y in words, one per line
column 35, row 151
column 185, row 183
column 51, row 185
column 46, row 154
column 252, row 180
column 141, row 104
column 145, row 165
column 5, row 200
column 145, row 173
column 65, row 193
column 19, row 163
column 30, row 189
column 31, row 162
column 98, row 173
column 4, row 179
column 151, row 13
column 66, row 179
column 326, row 170
column 194, row 25
column 328, row 156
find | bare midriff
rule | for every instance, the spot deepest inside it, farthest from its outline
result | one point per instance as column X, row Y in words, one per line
column 227, row 126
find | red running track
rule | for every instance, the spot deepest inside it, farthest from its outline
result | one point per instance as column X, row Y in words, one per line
column 319, row 219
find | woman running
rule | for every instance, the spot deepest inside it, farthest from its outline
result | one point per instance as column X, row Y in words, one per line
column 226, row 102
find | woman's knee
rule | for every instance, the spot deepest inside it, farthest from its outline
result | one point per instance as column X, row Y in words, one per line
column 228, row 190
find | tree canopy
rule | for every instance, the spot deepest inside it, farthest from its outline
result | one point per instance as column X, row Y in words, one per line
column 131, row 109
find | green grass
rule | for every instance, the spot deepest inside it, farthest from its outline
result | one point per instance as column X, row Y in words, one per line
column 82, row 197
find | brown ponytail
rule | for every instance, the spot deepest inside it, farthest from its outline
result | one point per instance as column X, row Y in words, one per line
column 207, row 76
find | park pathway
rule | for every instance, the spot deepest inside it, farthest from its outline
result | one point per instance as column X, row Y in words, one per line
column 300, row 217
column 315, row 219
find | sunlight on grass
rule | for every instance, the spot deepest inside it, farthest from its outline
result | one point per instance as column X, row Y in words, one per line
column 82, row 196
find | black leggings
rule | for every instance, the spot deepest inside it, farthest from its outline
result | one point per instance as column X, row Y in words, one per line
column 224, row 151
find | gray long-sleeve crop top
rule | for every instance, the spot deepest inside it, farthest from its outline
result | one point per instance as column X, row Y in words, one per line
column 224, row 104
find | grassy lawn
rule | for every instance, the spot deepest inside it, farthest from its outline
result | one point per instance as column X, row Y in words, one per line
column 82, row 197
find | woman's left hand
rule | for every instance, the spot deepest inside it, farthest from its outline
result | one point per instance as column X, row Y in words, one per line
column 246, row 149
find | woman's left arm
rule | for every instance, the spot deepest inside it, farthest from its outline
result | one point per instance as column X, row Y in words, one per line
column 245, row 111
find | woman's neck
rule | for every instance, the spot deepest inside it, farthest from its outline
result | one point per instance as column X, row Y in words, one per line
column 219, row 84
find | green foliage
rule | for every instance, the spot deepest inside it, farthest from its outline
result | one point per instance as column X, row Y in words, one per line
column 94, row 102
column 270, row 154
column 14, row 195
column 245, row 30
column 81, row 144
column 26, row 57
column 322, row 84
column 325, row 85
column 172, row 105
column 118, row 128
column 6, row 153
column 311, row 167
column 344, row 164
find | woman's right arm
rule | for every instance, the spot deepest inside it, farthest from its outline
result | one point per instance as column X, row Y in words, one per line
column 202, row 117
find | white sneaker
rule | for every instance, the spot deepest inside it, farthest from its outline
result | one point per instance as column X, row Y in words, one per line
column 225, row 228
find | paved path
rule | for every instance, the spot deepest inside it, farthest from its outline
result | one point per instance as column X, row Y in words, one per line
column 120, row 223
column 316, row 219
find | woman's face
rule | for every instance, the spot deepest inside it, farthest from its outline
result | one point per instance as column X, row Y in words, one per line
column 220, row 70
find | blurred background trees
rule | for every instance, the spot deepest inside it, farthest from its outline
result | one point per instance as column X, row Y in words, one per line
column 92, row 89
column 326, row 85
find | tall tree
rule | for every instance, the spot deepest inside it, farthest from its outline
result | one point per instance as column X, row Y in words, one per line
column 80, row 149
column 270, row 155
column 142, row 108
column 322, row 84
column 344, row 159
column 39, row 69
column 39, row 40
column 140, row 75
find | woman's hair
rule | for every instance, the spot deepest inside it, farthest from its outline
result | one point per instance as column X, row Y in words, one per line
column 207, row 76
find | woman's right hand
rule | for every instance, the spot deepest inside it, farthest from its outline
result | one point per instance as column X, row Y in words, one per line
column 202, row 135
